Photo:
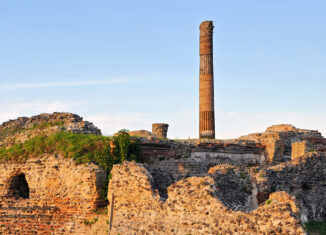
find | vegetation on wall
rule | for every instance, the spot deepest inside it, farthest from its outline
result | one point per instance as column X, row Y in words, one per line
column 9, row 131
column 123, row 139
column 82, row 148
column 101, row 150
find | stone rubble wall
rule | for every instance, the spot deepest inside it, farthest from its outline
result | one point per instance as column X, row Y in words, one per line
column 62, row 197
column 278, row 140
column 170, row 161
column 303, row 178
column 235, row 188
column 23, row 128
column 299, row 149
column 192, row 207
column 141, row 133
column 264, row 183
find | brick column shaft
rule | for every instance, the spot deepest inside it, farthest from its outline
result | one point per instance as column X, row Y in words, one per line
column 206, row 82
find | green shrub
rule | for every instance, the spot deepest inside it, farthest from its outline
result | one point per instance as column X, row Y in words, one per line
column 90, row 222
column 316, row 227
column 124, row 142
column 87, row 222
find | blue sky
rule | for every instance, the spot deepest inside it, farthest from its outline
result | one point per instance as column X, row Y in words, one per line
column 126, row 64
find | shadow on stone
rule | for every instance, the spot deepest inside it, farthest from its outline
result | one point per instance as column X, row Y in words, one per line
column 18, row 187
column 162, row 180
column 234, row 187
column 304, row 179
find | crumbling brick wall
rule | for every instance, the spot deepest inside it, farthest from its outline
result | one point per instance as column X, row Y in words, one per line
column 278, row 140
column 172, row 160
column 50, row 195
column 192, row 207
column 304, row 178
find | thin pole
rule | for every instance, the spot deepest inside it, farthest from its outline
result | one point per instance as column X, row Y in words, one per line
column 111, row 213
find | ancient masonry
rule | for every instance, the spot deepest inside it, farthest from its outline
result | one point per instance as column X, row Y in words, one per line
column 263, row 183
column 206, row 82
column 49, row 194
column 160, row 129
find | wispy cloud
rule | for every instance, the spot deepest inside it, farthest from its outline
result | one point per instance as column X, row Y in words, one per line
column 34, row 85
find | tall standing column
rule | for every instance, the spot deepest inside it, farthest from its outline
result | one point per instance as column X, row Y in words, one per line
column 206, row 82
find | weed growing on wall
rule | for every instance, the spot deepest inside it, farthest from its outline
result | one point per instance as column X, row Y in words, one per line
column 101, row 150
column 123, row 139
column 5, row 132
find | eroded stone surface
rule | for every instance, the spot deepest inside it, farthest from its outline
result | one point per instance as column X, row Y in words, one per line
column 160, row 130
column 23, row 128
column 278, row 140
column 192, row 207
column 234, row 186
column 303, row 178
column 62, row 196
column 141, row 133
column 260, row 183
column 170, row 161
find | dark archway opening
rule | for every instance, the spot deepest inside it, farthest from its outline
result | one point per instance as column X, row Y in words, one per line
column 18, row 187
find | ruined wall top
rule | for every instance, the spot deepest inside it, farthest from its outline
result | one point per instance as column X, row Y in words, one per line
column 191, row 201
column 23, row 128
column 206, row 28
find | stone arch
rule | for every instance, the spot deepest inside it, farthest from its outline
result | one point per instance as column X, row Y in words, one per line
column 18, row 186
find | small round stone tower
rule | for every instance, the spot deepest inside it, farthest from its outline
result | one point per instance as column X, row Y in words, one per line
column 160, row 129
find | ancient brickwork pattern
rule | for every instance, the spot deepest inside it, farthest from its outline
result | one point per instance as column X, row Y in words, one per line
column 171, row 161
column 278, row 140
column 61, row 196
column 160, row 130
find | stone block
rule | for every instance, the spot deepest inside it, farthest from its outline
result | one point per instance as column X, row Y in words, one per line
column 298, row 149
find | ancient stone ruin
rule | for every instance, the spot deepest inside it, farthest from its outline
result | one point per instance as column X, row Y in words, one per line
column 23, row 128
column 262, row 183
column 160, row 130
